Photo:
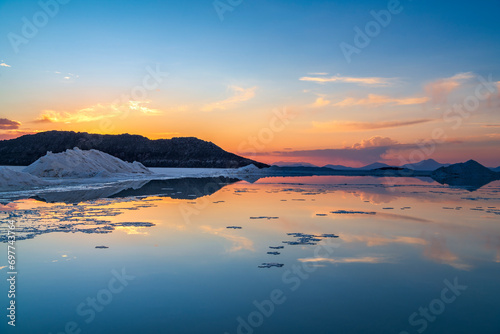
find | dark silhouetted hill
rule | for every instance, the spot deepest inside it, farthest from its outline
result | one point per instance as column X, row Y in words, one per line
column 469, row 175
column 176, row 152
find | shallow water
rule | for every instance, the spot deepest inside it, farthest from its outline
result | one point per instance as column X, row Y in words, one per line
column 410, row 257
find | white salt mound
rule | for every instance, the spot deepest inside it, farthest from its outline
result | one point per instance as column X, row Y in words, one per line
column 76, row 163
column 14, row 180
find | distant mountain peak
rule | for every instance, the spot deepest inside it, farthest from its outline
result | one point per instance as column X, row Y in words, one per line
column 470, row 174
column 428, row 164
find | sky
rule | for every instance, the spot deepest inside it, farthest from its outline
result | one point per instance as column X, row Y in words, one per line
column 325, row 82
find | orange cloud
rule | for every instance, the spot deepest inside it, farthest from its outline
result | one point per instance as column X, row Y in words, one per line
column 12, row 134
column 336, row 126
column 372, row 241
column 96, row 112
column 366, row 259
column 375, row 100
column 321, row 102
column 367, row 81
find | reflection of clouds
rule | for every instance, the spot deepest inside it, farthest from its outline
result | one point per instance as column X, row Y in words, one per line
column 435, row 248
column 239, row 242
column 377, row 240
column 365, row 259
column 437, row 251
column 375, row 198
column 354, row 213
column 389, row 192
column 493, row 244
column 133, row 230
column 403, row 217
column 8, row 207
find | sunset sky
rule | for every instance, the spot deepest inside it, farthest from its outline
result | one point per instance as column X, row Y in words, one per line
column 337, row 82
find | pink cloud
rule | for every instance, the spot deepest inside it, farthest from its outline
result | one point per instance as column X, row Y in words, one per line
column 440, row 89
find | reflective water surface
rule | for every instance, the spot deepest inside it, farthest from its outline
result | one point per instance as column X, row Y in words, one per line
column 324, row 254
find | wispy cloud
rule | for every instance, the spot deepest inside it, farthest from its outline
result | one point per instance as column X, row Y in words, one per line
column 238, row 242
column 438, row 251
column 378, row 240
column 2, row 64
column 365, row 259
column 439, row 89
column 338, row 126
column 239, row 95
column 65, row 76
column 80, row 116
column 321, row 102
column 7, row 124
column 96, row 112
column 377, row 100
column 11, row 134
column 362, row 81
column 141, row 106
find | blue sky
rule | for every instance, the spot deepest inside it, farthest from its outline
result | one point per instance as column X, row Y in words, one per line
column 91, row 52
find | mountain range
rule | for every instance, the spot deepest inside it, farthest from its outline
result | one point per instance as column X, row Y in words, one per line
column 424, row 165
column 176, row 152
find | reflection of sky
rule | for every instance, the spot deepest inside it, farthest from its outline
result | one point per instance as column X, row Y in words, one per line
column 193, row 272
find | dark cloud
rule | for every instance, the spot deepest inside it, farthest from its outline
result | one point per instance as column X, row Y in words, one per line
column 7, row 124
column 366, row 152
column 363, row 155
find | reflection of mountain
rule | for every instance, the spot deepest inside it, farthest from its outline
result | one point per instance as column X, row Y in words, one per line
column 367, row 167
column 82, row 195
column 467, row 184
column 424, row 165
column 469, row 175
column 185, row 188
column 315, row 171
column 293, row 164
